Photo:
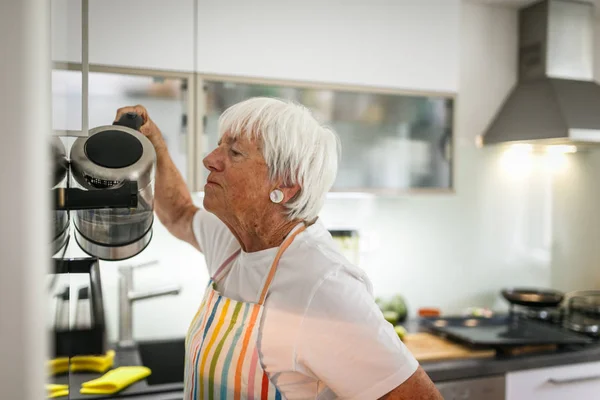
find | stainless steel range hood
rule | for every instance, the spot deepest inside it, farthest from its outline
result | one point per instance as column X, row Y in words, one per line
column 556, row 100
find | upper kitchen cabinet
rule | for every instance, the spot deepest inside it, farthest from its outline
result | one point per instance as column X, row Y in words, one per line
column 148, row 34
column 390, row 142
column 408, row 45
column 165, row 98
column 65, row 30
column 143, row 34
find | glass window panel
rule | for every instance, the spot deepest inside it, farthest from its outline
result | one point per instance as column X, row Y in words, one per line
column 165, row 99
column 389, row 141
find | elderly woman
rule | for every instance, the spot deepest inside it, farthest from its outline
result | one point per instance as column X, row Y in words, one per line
column 285, row 315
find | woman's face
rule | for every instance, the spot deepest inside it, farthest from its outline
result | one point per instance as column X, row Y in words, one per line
column 238, row 184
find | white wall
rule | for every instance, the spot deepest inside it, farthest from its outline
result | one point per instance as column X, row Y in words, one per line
column 575, row 250
column 24, row 249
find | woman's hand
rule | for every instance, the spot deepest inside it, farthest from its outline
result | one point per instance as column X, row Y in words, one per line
column 172, row 200
column 148, row 128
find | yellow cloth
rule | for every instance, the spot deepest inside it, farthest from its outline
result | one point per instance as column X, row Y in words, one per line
column 115, row 380
column 58, row 365
column 99, row 364
column 55, row 390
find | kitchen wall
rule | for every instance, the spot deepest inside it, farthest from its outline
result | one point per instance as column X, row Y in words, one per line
column 515, row 219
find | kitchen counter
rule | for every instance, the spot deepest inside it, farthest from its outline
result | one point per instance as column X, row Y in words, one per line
column 440, row 371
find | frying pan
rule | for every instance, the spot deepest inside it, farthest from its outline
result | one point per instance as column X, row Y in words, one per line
column 531, row 297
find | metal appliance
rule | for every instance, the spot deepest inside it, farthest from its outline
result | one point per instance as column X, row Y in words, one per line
column 127, row 296
column 556, row 99
column 107, row 159
column 60, row 218
column 532, row 297
column 539, row 322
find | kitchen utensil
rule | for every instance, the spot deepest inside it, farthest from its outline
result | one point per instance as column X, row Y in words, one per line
column 83, row 311
column 586, row 304
column 532, row 297
column 425, row 312
column 110, row 156
column 503, row 331
column 61, row 321
column 60, row 218
column 427, row 347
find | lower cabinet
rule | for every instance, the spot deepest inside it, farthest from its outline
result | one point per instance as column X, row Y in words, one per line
column 488, row 388
column 571, row 382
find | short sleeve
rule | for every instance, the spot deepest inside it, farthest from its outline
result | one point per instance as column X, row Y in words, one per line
column 345, row 342
column 214, row 238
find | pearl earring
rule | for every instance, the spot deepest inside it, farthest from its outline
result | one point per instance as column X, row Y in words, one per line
column 276, row 196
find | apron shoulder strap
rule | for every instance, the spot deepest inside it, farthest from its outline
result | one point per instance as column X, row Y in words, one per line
column 273, row 269
column 222, row 271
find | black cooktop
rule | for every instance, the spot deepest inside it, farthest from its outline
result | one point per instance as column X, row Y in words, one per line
column 505, row 331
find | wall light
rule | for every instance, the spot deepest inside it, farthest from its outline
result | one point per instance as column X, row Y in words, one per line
column 479, row 141
column 517, row 160
column 561, row 149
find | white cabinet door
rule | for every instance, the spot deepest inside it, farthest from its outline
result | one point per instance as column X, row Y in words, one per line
column 149, row 34
column 65, row 28
column 572, row 382
column 403, row 44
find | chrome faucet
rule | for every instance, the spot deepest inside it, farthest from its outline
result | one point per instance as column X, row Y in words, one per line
column 127, row 297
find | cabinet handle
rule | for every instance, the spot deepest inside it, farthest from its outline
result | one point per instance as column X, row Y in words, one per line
column 573, row 380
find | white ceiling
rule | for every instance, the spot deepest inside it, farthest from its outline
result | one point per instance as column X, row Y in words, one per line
column 521, row 3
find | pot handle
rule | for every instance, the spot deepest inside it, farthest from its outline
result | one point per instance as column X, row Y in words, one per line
column 130, row 120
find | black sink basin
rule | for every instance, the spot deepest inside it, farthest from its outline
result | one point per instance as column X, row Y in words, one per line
column 165, row 358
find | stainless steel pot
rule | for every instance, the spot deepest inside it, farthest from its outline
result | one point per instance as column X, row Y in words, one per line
column 60, row 219
column 110, row 156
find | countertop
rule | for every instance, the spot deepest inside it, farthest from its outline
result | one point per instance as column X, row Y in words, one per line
column 438, row 371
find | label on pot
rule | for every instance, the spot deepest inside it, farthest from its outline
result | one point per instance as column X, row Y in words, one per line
column 101, row 183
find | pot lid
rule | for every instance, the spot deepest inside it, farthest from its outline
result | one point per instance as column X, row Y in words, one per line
column 113, row 149
column 110, row 155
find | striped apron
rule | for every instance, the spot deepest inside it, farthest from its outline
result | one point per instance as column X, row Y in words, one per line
column 222, row 360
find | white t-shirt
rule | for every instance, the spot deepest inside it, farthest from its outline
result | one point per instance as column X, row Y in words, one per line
column 321, row 336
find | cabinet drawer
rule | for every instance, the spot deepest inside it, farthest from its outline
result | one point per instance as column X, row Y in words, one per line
column 572, row 382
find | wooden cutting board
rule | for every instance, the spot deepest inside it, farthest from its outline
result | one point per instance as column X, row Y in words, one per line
column 428, row 347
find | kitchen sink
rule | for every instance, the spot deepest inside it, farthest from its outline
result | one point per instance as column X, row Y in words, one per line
column 165, row 358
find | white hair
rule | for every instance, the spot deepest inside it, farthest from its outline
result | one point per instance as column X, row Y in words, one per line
column 296, row 147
